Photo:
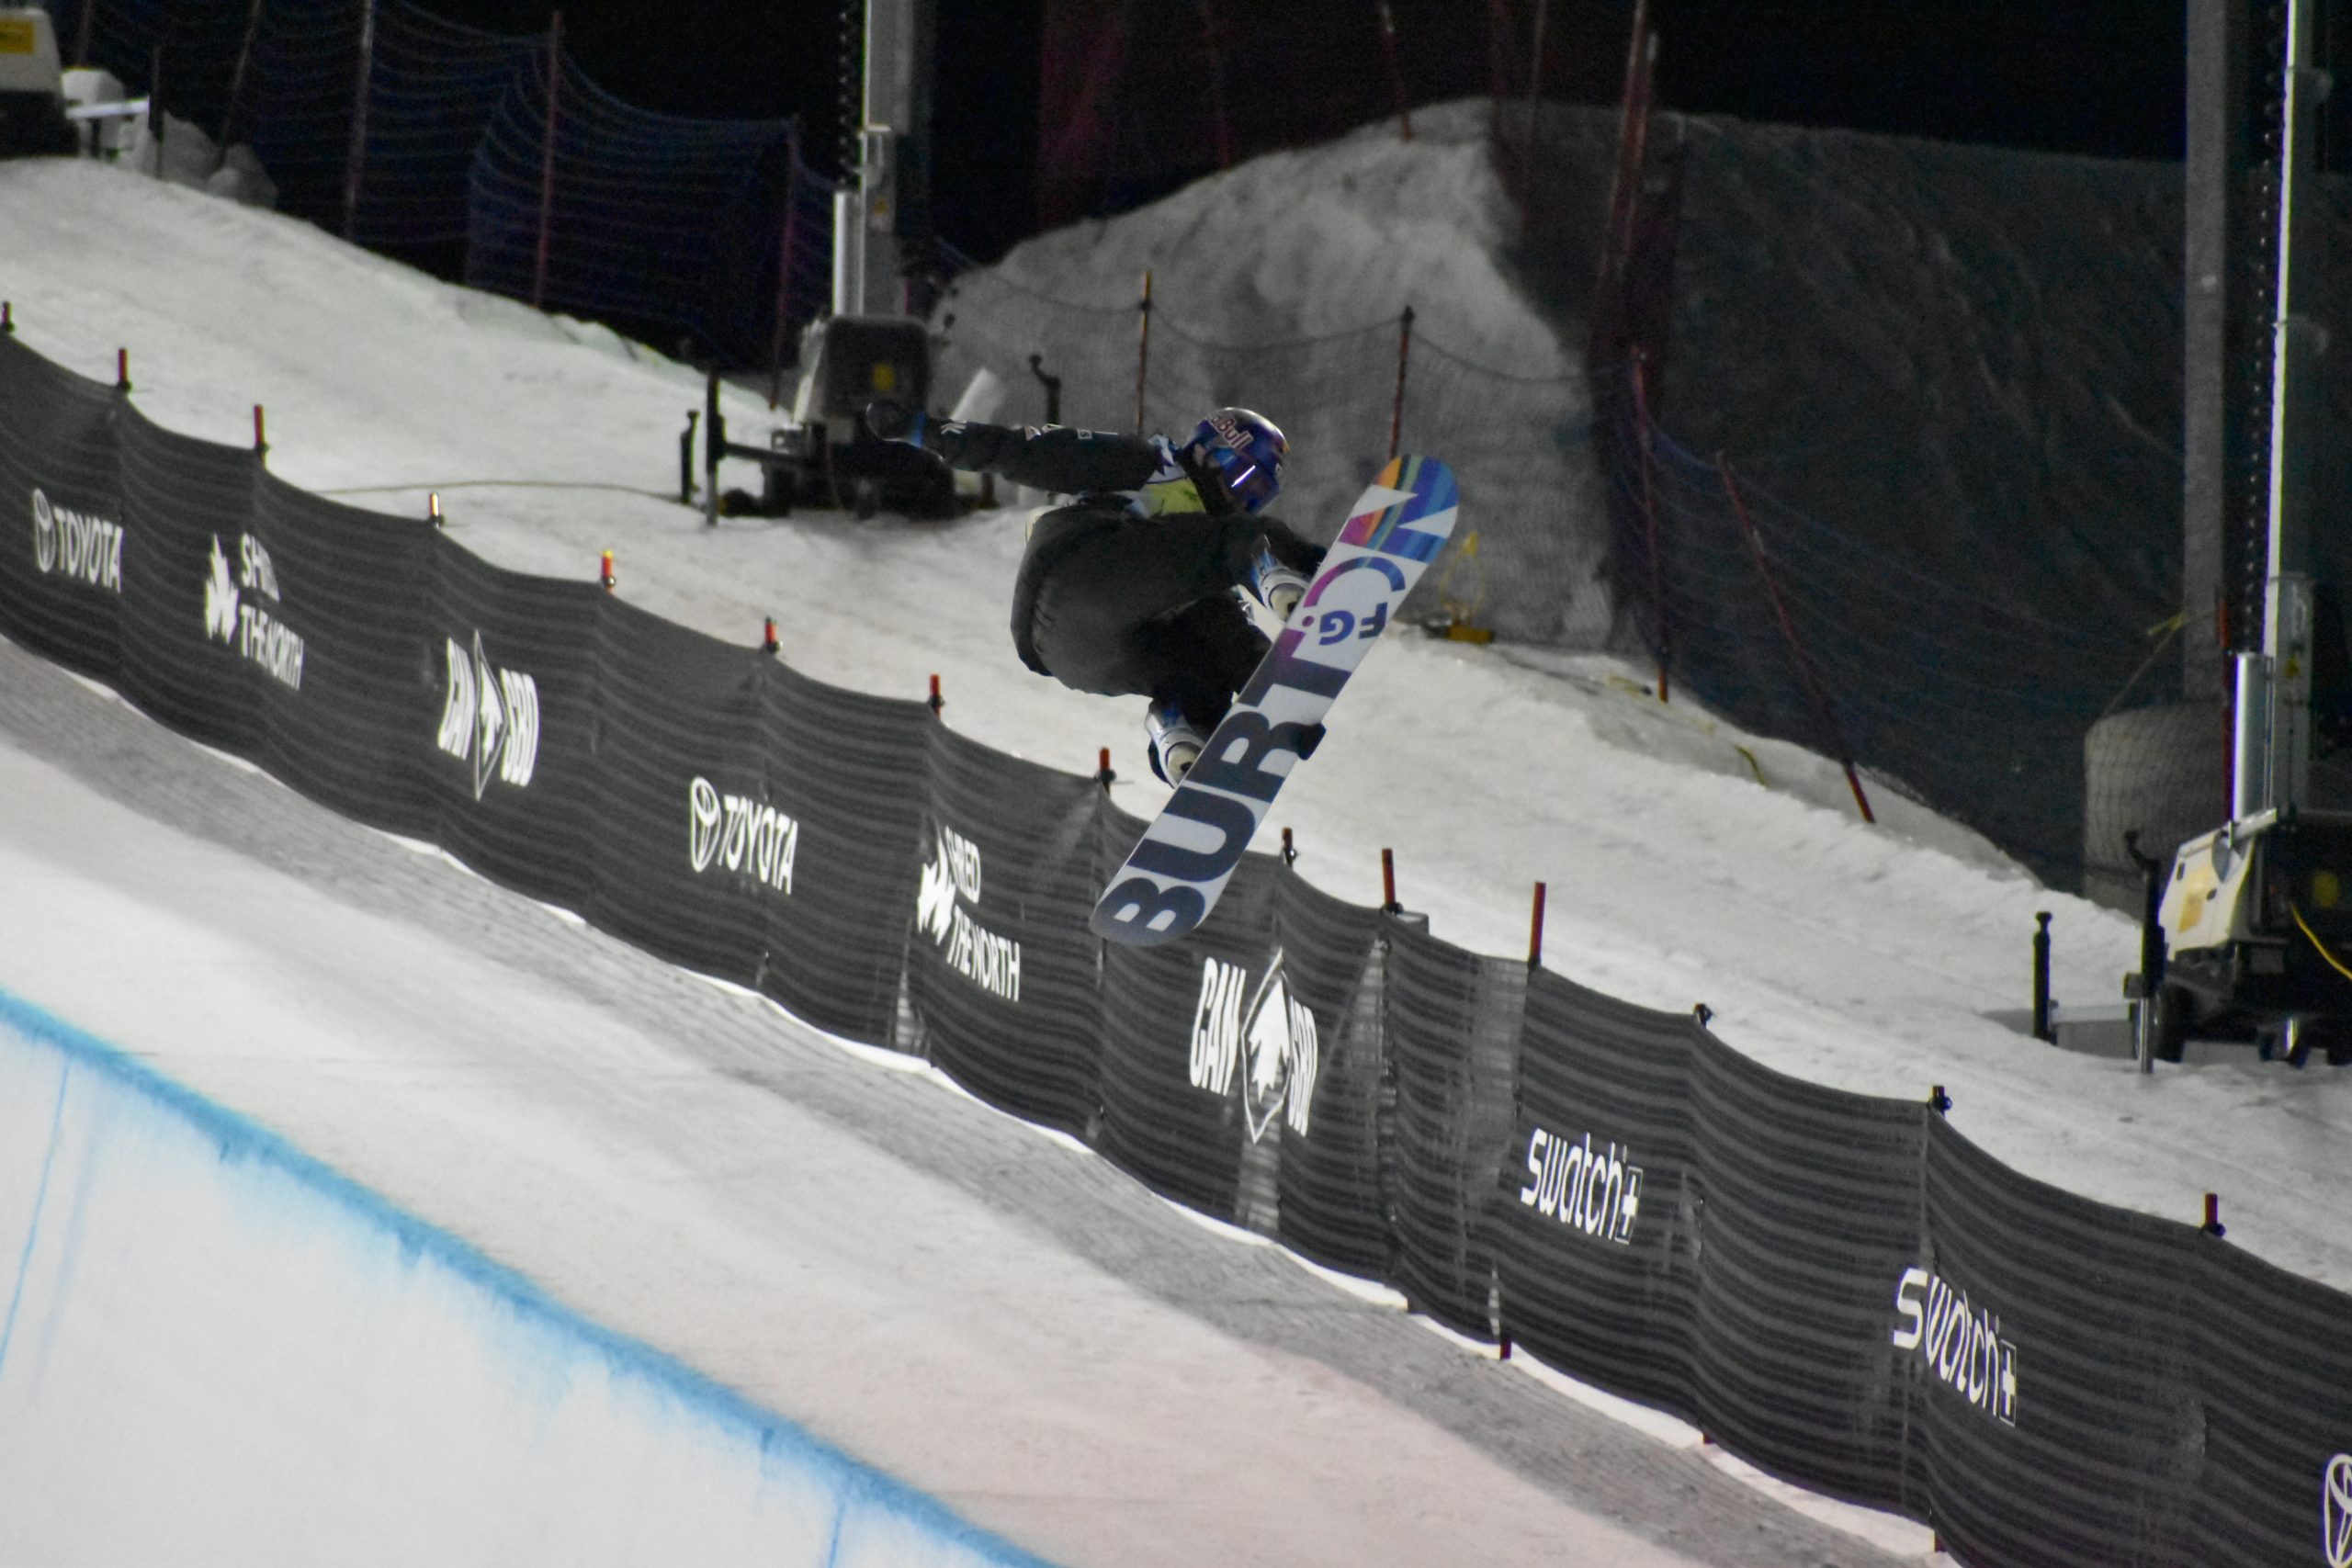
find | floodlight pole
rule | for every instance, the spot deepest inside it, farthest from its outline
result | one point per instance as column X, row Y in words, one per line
column 2275, row 686
column 883, row 210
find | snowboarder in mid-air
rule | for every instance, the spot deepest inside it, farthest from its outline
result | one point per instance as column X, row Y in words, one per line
column 1132, row 585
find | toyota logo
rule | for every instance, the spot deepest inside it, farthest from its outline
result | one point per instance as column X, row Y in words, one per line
column 2335, row 1512
column 44, row 533
column 704, row 821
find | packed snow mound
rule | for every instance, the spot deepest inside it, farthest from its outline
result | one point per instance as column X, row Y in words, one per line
column 1323, row 240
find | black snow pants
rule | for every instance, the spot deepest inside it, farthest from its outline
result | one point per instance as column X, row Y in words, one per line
column 1146, row 606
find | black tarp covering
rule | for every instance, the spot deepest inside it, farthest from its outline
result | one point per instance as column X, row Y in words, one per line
column 1000, row 965
column 851, row 769
column 2275, row 1369
column 60, row 513
column 1453, row 1037
column 687, row 844
column 1333, row 1209
column 1597, row 1219
column 1809, row 1216
column 204, row 626
column 2056, row 1389
column 511, row 757
column 355, row 587
column 1198, row 1053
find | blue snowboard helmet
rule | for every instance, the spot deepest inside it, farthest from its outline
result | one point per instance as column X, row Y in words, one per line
column 1245, row 450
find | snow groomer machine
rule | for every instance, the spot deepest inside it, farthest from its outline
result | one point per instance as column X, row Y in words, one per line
column 2249, row 931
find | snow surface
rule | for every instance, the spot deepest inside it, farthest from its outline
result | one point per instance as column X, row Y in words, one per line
column 216, row 1352
column 598, row 1154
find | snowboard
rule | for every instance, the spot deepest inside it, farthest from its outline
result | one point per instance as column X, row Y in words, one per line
column 1172, row 878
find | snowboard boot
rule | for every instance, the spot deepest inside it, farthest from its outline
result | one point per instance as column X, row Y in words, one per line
column 1277, row 586
column 1175, row 744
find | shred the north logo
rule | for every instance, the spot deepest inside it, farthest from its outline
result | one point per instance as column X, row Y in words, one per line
column 1266, row 1025
column 80, row 546
column 1595, row 1190
column 741, row 835
column 241, row 609
column 491, row 719
column 1962, row 1344
column 951, row 881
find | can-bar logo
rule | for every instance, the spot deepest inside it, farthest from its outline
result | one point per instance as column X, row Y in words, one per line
column 1266, row 1025
column 741, row 834
column 241, row 609
column 82, row 545
column 491, row 719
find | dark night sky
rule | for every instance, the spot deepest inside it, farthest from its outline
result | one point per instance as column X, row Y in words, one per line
column 2099, row 76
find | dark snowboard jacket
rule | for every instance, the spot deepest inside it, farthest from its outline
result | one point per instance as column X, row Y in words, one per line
column 1114, row 481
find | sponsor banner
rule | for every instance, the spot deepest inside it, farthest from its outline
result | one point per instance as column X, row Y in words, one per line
column 1960, row 1343
column 243, row 609
column 1240, row 1019
column 1596, row 1215
column 79, row 547
column 850, row 770
column 945, row 902
column 514, row 747
column 1594, row 1191
column 64, row 552
column 489, row 716
column 1002, row 969
column 1209, row 1062
column 740, row 835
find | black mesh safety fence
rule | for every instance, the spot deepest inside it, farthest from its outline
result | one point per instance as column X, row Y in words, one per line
column 347, row 593
column 64, row 554
column 1334, row 1207
column 1453, row 1026
column 1000, row 967
column 205, row 625
column 1839, row 1289
column 684, row 843
column 1598, row 1217
column 1199, row 1057
column 511, row 763
column 852, row 772
column 2274, row 1368
column 1809, row 1217
column 2051, row 1346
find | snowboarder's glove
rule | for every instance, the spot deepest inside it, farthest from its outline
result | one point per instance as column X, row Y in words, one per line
column 895, row 421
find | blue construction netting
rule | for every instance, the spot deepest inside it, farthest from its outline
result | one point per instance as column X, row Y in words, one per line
column 426, row 139
column 654, row 221
column 302, row 86
column 434, row 88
